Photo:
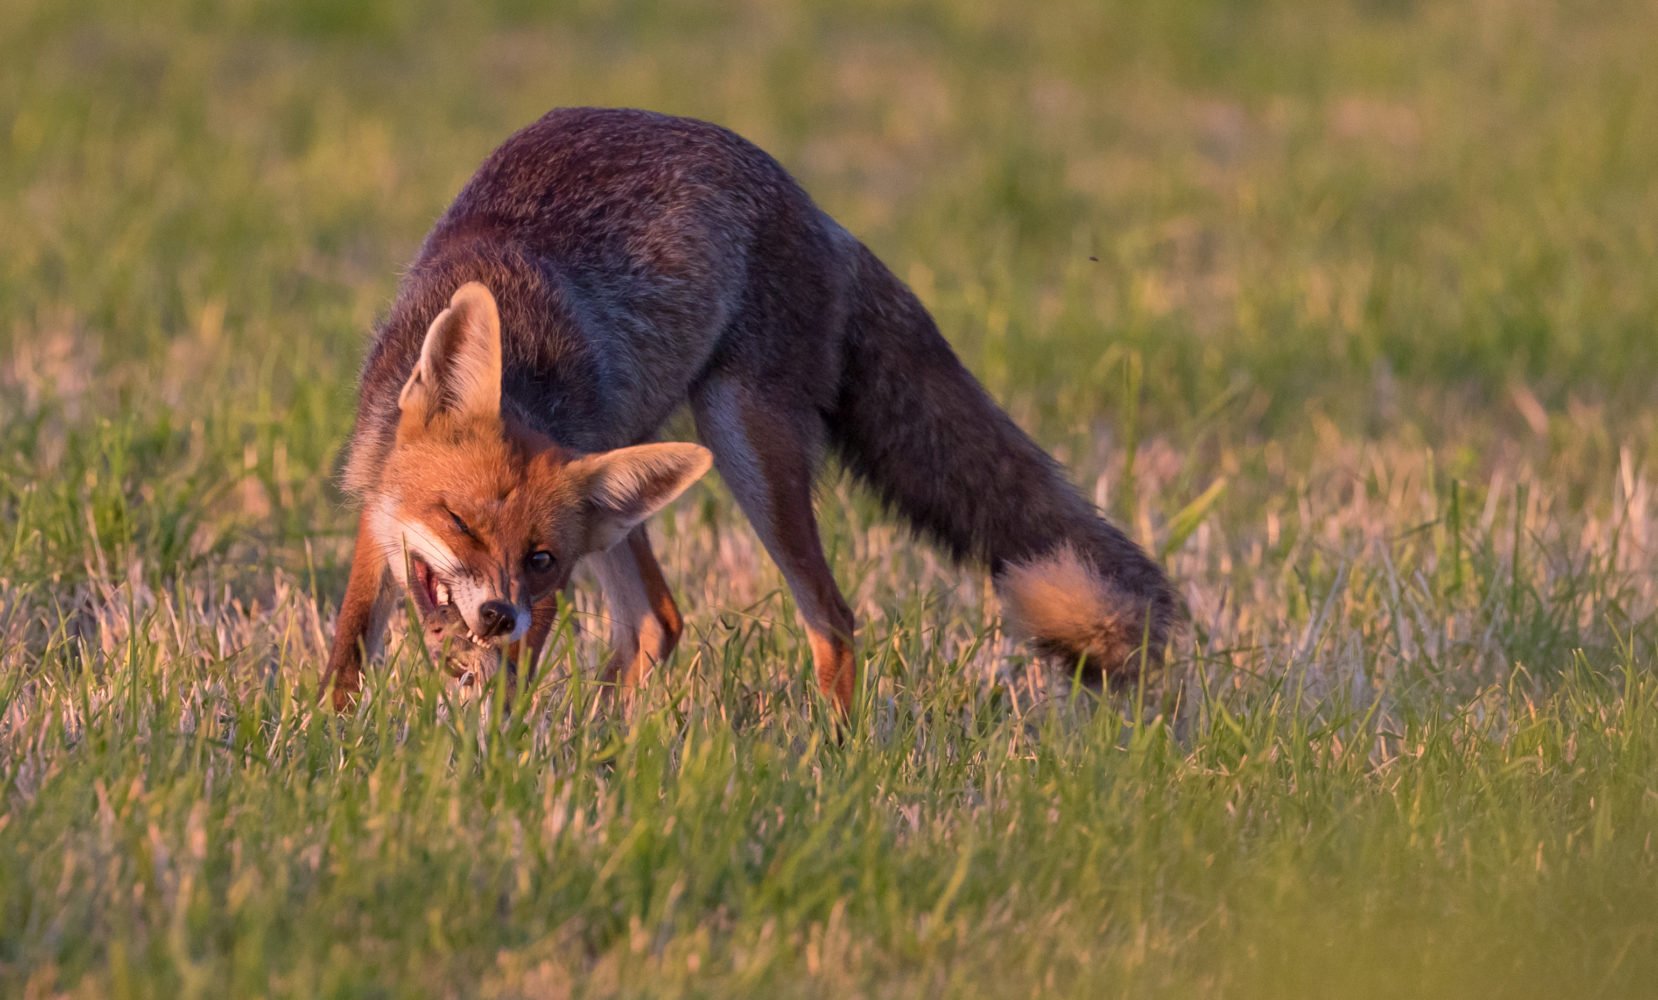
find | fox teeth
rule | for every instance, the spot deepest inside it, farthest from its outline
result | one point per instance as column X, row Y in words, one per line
column 442, row 591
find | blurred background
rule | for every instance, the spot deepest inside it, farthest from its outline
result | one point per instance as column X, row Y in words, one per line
column 1370, row 212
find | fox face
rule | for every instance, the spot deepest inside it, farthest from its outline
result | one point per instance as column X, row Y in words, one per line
column 480, row 518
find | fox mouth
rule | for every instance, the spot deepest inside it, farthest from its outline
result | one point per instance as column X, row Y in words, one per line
column 436, row 605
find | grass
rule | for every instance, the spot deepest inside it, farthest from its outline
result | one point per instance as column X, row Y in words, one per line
column 1346, row 308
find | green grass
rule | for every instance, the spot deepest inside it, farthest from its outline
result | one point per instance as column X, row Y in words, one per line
column 1347, row 308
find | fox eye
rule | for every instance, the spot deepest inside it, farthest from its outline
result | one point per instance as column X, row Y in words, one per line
column 460, row 525
column 539, row 561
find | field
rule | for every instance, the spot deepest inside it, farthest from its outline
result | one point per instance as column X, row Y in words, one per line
column 1348, row 310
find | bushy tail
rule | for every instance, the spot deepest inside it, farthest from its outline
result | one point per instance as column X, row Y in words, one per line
column 914, row 424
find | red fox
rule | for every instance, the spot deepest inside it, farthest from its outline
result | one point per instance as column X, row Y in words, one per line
column 603, row 268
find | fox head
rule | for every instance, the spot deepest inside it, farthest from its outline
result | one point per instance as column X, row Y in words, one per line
column 479, row 516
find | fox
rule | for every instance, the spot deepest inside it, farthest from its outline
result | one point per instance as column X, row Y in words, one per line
column 604, row 269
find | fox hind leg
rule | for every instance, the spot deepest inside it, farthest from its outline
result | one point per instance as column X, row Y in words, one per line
column 767, row 451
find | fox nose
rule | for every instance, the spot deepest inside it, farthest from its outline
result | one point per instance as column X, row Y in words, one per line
column 496, row 618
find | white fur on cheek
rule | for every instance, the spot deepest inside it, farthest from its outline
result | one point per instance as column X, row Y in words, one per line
column 397, row 537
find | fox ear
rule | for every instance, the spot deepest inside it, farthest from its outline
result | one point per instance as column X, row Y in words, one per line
column 624, row 487
column 459, row 370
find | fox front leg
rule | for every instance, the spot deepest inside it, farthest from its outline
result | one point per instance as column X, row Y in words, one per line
column 364, row 612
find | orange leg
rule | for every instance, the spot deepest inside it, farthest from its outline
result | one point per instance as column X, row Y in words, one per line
column 645, row 623
column 543, row 614
column 362, row 620
column 767, row 459
column 527, row 651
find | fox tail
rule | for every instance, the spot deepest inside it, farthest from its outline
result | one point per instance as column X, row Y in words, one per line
column 915, row 425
